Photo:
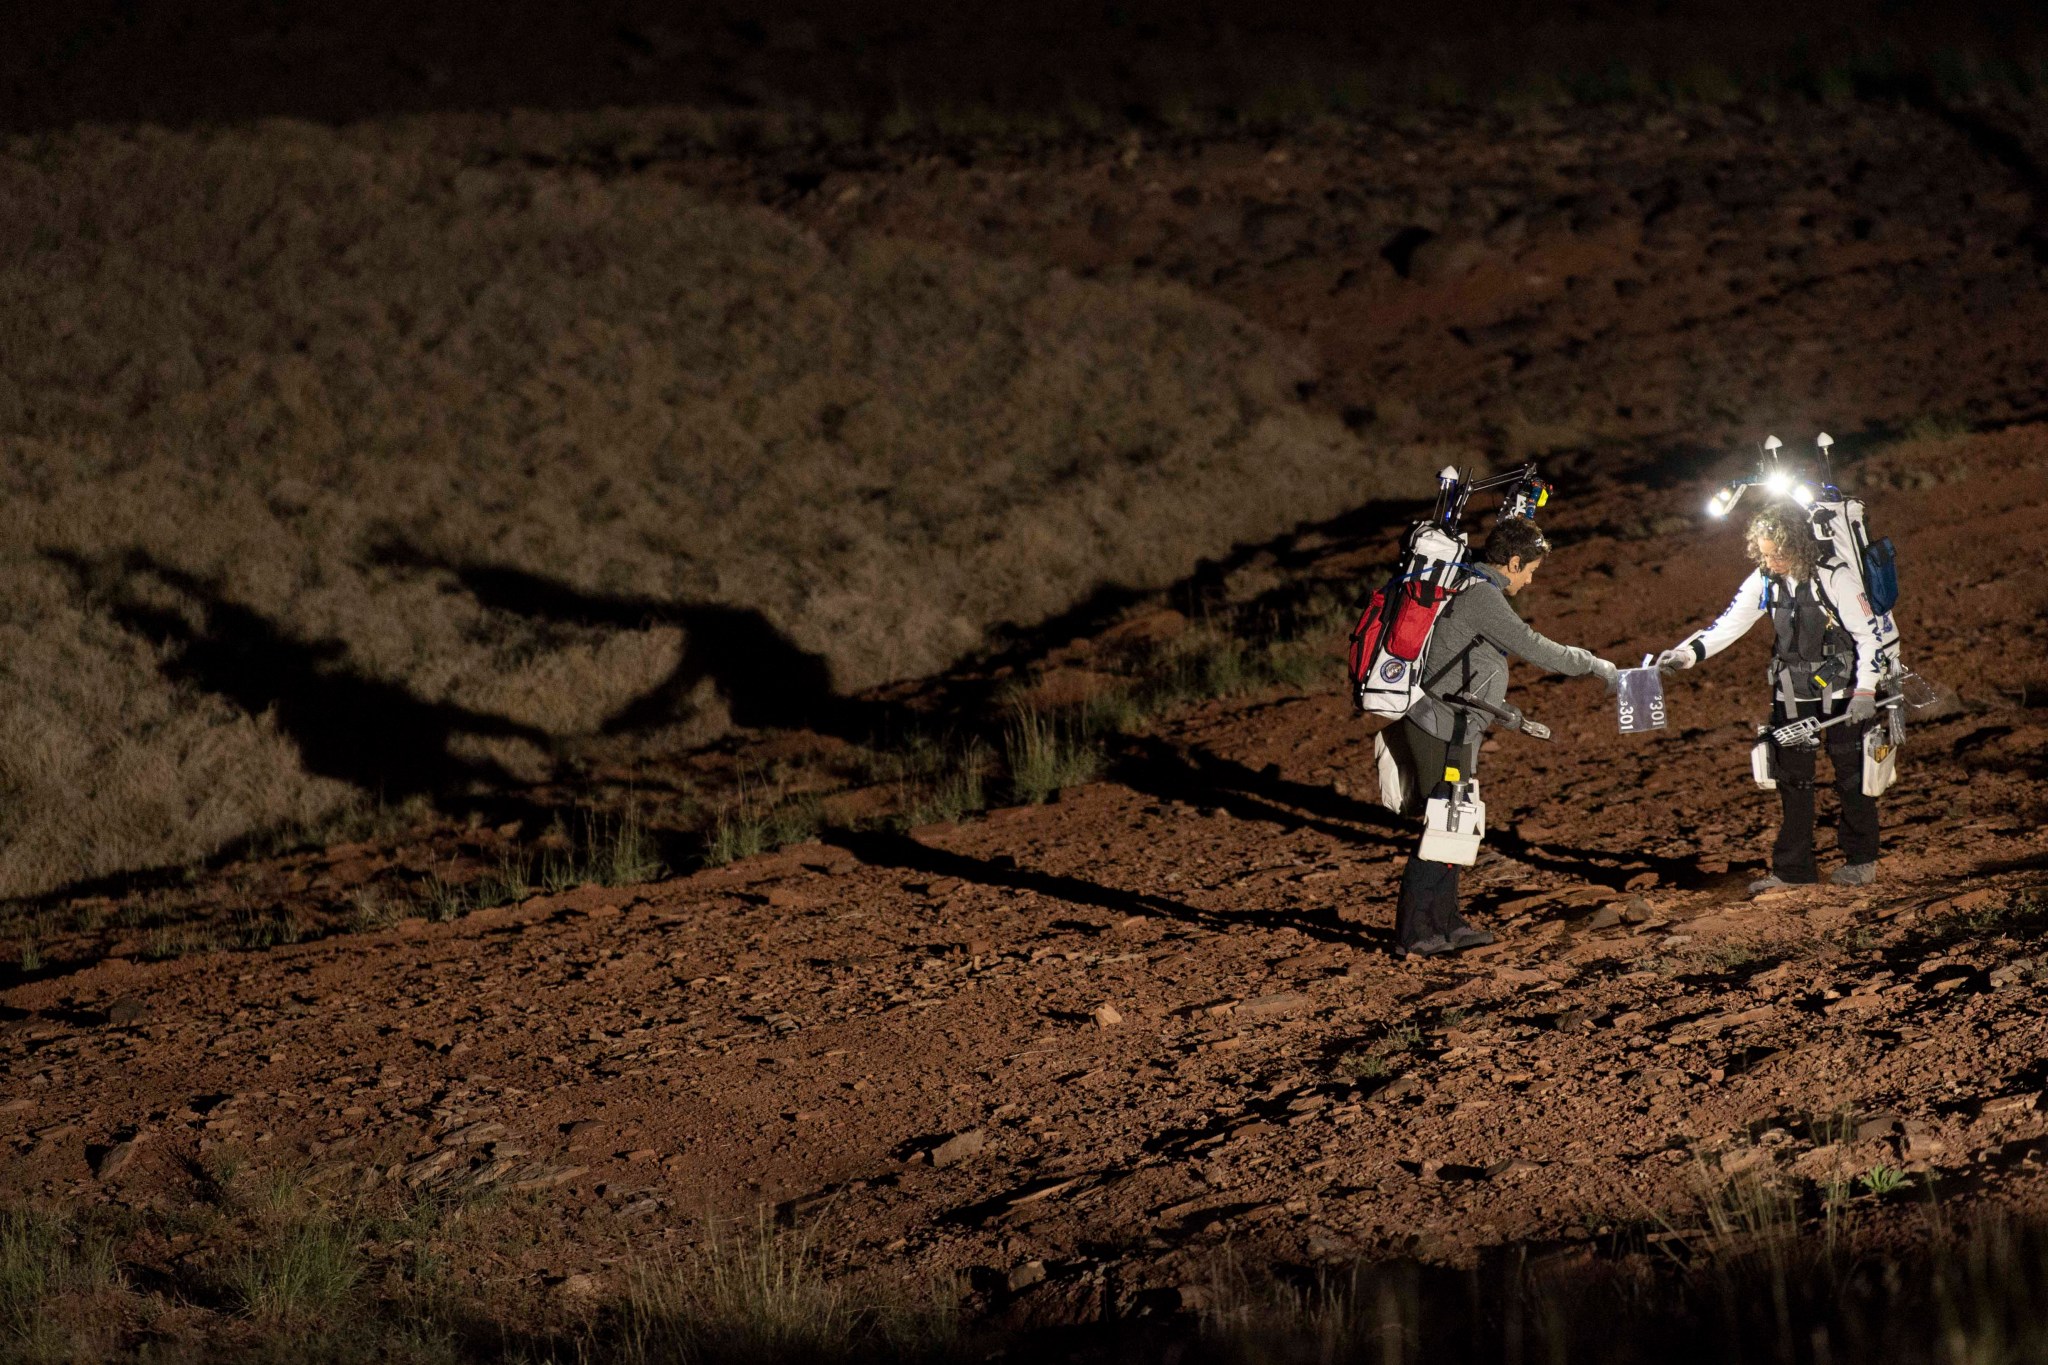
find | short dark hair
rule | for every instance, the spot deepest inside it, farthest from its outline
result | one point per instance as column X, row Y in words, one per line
column 1514, row 538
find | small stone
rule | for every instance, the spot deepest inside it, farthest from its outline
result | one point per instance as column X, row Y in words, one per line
column 1107, row 1016
column 2010, row 974
column 1882, row 1124
column 1606, row 917
column 1026, row 1275
column 126, row 1013
column 1638, row 910
column 1919, row 1142
column 1399, row 1088
column 427, row 1167
column 1278, row 1002
column 1642, row 881
column 959, row 1147
column 115, row 1160
column 581, row 1285
column 1740, row 1159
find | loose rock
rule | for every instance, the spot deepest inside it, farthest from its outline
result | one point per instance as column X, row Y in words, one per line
column 959, row 1147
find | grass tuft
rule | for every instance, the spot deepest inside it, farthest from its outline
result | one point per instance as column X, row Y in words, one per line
column 762, row 1295
column 44, row 1260
column 752, row 826
column 506, row 884
column 1048, row 752
column 310, row 1270
column 441, row 900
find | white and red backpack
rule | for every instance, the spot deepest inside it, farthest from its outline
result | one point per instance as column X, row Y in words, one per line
column 1392, row 634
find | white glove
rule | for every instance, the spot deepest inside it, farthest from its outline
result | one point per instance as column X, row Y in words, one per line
column 1672, row 660
column 1862, row 707
column 1606, row 672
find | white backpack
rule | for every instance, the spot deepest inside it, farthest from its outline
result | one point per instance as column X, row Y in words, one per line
column 1392, row 635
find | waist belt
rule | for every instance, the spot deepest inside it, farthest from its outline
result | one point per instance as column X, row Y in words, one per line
column 1811, row 679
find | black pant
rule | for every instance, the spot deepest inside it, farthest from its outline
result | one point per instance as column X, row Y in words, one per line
column 1855, row 829
column 1428, row 907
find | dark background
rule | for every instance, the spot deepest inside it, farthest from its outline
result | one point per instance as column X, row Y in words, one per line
column 183, row 62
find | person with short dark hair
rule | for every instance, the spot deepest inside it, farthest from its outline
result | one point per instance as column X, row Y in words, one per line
column 1515, row 538
column 1826, row 661
column 1468, row 653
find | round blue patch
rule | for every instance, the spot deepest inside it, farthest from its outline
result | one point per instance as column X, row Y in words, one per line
column 1391, row 670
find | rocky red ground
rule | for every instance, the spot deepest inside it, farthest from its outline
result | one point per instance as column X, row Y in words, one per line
column 1070, row 1050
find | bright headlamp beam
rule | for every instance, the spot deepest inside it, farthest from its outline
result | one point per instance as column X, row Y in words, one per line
column 1724, row 501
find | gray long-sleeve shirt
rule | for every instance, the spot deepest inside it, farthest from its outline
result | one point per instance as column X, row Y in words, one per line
column 1469, row 651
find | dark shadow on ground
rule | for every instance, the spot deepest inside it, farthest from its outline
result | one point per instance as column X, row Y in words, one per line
column 1602, row 867
column 765, row 679
column 900, row 851
column 370, row 733
column 1158, row 769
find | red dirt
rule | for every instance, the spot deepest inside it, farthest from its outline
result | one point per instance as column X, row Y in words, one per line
column 807, row 1028
column 1562, row 279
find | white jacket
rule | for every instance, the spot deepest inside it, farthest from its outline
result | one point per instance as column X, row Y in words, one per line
column 1841, row 591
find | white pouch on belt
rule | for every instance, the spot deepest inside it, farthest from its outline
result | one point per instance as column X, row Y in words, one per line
column 1880, row 760
column 1394, row 788
column 1763, row 764
column 1454, row 826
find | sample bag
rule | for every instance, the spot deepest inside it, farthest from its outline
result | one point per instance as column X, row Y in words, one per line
column 1639, row 698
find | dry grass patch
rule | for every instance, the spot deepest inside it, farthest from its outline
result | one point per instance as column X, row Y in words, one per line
column 336, row 466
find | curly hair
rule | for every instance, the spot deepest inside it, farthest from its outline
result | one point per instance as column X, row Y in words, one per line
column 1791, row 533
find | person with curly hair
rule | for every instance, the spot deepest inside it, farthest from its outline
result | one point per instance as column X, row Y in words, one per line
column 1830, row 652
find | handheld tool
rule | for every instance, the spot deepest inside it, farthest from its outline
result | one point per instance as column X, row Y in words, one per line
column 1802, row 732
column 1506, row 715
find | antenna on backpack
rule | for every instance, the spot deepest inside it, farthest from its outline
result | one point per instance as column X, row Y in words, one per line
column 1777, row 479
column 1450, row 497
column 1826, row 458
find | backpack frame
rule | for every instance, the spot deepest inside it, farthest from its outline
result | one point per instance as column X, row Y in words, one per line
column 1392, row 636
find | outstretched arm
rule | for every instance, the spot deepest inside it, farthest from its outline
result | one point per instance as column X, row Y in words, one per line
column 1744, row 611
column 1499, row 624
